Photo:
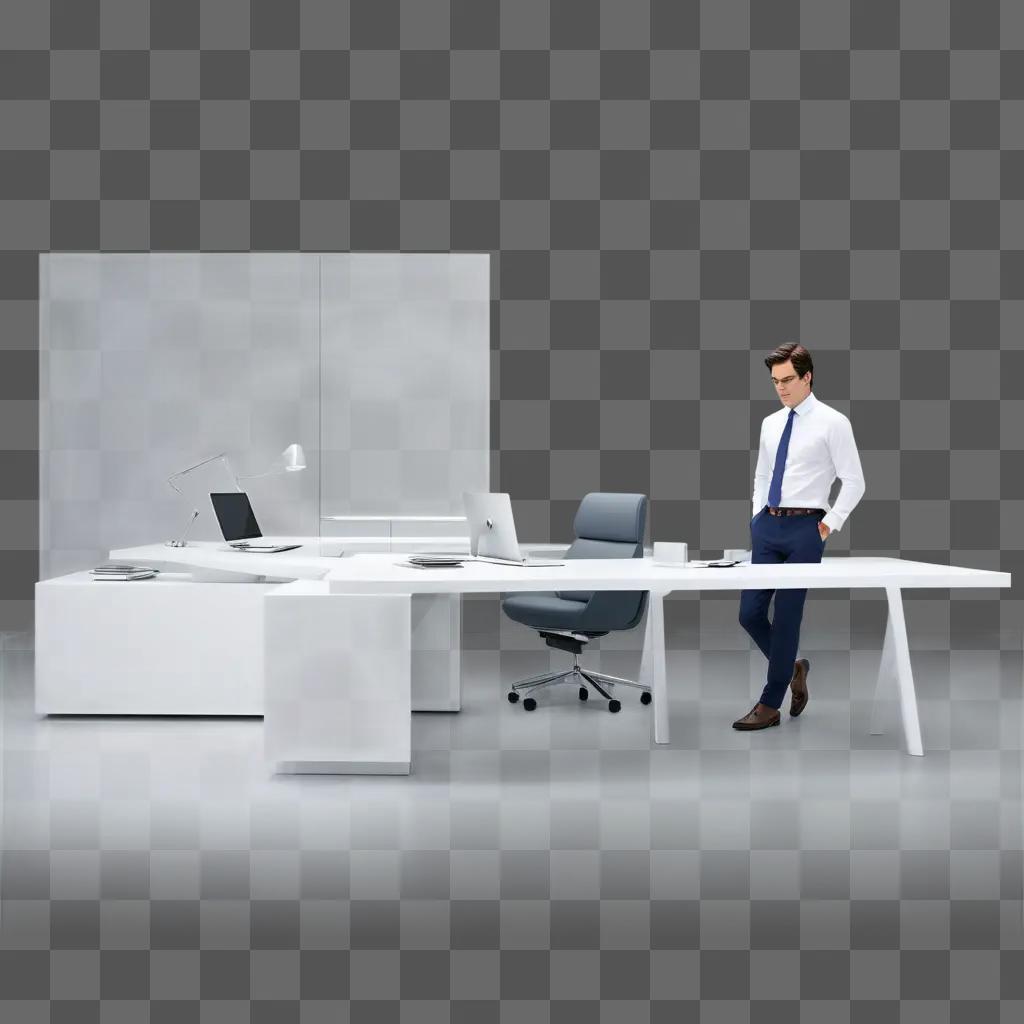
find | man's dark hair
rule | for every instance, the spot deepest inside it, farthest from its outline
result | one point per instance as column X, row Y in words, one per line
column 795, row 353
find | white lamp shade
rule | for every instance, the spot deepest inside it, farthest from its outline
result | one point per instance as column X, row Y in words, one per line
column 294, row 458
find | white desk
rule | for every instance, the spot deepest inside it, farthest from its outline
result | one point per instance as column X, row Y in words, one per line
column 380, row 575
column 312, row 561
column 376, row 574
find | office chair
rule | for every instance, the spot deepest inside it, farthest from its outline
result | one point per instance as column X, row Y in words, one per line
column 606, row 526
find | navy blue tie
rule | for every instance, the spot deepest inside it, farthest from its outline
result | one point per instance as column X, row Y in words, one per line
column 775, row 489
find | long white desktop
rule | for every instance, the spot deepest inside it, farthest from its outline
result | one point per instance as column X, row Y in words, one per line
column 340, row 651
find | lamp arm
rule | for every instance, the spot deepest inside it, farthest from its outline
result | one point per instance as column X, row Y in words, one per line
column 255, row 476
column 213, row 458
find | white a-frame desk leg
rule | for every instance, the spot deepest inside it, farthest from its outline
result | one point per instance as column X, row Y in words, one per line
column 652, row 664
column 895, row 663
column 886, row 678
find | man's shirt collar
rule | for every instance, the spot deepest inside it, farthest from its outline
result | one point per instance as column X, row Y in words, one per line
column 806, row 405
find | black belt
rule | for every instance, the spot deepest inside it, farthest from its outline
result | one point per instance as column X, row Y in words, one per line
column 793, row 511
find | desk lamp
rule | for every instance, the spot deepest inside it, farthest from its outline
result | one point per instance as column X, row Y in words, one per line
column 291, row 460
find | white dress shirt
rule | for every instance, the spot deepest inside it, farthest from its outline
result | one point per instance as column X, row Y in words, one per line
column 821, row 448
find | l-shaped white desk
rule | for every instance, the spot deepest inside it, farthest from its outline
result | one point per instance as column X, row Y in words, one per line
column 337, row 639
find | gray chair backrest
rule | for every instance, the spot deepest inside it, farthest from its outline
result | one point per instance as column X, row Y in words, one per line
column 609, row 525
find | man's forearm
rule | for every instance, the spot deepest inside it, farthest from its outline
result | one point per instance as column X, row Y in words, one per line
column 849, row 495
column 846, row 460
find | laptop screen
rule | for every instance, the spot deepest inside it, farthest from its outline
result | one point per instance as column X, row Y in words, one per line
column 235, row 515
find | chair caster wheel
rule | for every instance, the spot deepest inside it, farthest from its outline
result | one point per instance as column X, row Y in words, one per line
column 513, row 697
column 584, row 693
column 529, row 704
column 645, row 697
column 614, row 705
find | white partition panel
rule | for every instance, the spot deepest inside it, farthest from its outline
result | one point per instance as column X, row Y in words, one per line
column 150, row 362
column 406, row 382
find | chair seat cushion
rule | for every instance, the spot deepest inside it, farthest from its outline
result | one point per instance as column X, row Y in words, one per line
column 544, row 611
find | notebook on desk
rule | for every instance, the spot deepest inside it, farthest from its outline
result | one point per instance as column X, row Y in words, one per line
column 238, row 524
column 435, row 560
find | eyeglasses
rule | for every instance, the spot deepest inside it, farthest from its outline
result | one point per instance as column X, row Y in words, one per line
column 785, row 380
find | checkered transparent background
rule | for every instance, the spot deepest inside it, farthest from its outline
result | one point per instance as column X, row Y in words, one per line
column 669, row 188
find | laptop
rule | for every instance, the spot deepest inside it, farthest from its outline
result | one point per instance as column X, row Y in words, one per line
column 238, row 523
column 492, row 531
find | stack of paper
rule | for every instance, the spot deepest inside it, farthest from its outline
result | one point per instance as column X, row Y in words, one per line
column 123, row 573
column 436, row 560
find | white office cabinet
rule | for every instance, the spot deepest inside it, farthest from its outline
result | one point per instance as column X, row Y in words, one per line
column 337, row 681
column 162, row 646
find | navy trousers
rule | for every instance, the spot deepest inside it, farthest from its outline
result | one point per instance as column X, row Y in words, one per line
column 779, row 539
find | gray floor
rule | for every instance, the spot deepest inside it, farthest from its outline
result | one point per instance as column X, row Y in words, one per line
column 535, row 867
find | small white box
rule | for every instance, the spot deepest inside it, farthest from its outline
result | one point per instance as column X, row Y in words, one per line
column 668, row 552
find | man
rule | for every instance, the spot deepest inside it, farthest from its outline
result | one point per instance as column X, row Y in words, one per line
column 804, row 446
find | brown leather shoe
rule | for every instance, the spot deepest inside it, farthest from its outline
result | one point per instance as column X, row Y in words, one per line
column 760, row 716
column 798, row 685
